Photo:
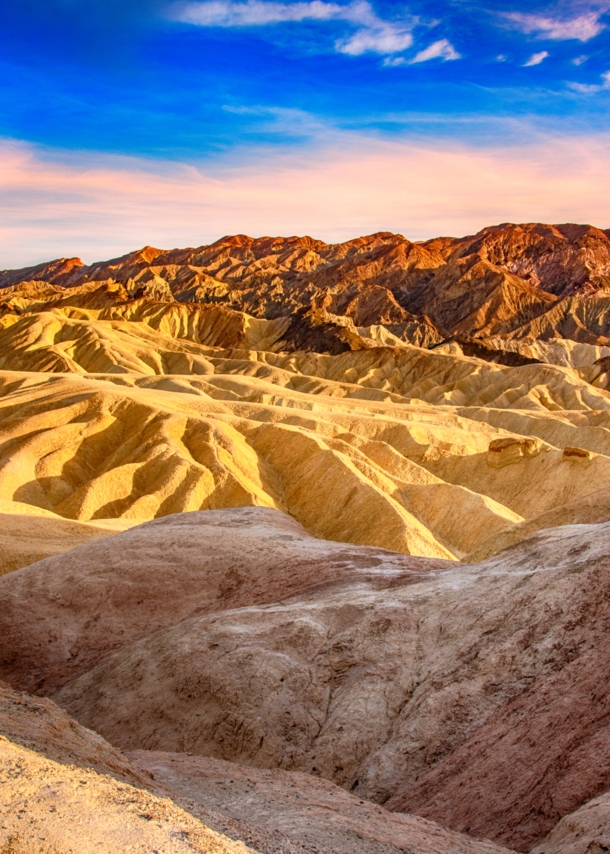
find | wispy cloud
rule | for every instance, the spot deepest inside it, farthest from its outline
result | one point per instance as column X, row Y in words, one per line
column 394, row 61
column 592, row 88
column 582, row 28
column 580, row 60
column 55, row 204
column 255, row 13
column 373, row 36
column 380, row 38
column 536, row 59
column 442, row 49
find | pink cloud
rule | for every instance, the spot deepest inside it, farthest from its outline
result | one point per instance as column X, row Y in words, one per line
column 54, row 205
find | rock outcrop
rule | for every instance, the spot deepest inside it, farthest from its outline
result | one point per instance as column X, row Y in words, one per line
column 63, row 615
column 66, row 790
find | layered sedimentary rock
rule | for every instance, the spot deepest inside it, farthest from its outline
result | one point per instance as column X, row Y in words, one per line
column 393, row 439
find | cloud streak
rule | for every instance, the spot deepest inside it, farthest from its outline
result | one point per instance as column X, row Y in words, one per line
column 592, row 88
column 55, row 204
column 442, row 49
column 536, row 59
column 373, row 36
column 256, row 13
column 582, row 28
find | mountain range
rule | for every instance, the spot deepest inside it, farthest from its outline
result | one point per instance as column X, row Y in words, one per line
column 305, row 547
column 510, row 282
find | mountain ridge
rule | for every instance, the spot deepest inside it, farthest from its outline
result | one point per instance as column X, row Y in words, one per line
column 508, row 282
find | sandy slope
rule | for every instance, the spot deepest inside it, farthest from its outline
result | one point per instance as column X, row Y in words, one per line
column 29, row 533
column 305, row 812
column 280, row 431
column 66, row 791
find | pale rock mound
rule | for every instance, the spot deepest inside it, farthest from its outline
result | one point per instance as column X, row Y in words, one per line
column 67, row 791
column 345, row 663
column 41, row 726
column 63, row 615
column 587, row 831
column 48, row 808
column 309, row 814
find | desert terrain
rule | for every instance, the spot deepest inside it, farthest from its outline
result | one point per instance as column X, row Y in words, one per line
column 305, row 548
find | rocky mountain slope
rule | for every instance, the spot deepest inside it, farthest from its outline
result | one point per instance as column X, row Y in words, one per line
column 510, row 281
column 164, row 407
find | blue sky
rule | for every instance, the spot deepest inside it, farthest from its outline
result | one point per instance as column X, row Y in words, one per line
column 221, row 86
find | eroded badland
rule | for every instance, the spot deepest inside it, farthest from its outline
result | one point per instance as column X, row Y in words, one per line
column 305, row 548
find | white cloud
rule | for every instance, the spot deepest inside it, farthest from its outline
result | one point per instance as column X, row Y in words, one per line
column 582, row 28
column 378, row 39
column 394, row 61
column 442, row 49
column 536, row 59
column 224, row 13
column 580, row 60
column 592, row 88
column 374, row 35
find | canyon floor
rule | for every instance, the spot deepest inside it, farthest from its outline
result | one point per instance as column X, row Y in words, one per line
column 305, row 549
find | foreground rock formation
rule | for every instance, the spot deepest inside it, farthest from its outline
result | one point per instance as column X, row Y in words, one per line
column 66, row 790
column 419, row 684
column 294, row 813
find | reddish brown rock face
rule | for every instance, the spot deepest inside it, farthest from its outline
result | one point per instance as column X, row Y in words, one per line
column 563, row 259
column 537, row 759
column 511, row 281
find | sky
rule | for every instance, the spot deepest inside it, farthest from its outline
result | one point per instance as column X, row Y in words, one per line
column 173, row 123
